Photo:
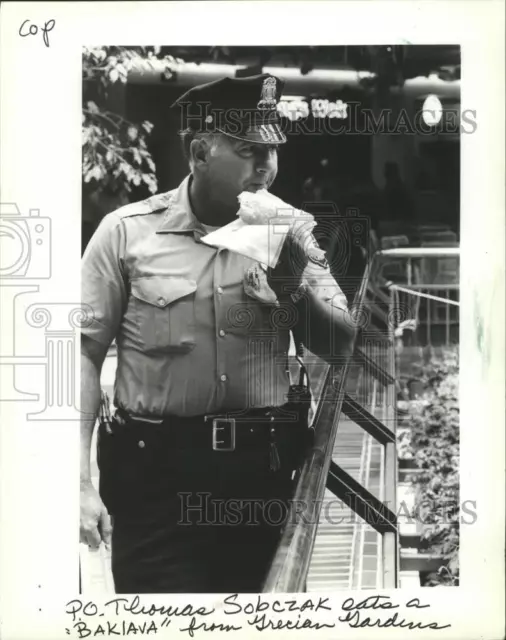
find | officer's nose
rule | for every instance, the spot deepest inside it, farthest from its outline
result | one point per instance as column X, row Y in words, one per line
column 266, row 160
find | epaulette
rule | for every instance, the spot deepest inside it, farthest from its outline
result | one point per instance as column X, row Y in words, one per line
column 154, row 204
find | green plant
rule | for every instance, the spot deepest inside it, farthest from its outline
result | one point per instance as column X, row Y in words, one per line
column 115, row 152
column 434, row 443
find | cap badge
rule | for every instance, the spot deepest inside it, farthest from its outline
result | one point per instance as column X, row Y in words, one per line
column 268, row 96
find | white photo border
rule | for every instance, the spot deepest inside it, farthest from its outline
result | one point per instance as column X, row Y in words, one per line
column 40, row 89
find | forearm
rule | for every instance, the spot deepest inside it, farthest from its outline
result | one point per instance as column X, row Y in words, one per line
column 325, row 330
column 90, row 403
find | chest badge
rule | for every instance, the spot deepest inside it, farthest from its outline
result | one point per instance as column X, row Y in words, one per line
column 256, row 285
column 253, row 278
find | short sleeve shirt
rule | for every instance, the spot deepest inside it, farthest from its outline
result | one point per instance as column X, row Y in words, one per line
column 198, row 330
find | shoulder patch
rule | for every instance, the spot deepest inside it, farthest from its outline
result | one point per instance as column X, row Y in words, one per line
column 154, row 204
column 317, row 256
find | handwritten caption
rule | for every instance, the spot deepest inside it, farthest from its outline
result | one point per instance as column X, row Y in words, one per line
column 129, row 616
column 27, row 28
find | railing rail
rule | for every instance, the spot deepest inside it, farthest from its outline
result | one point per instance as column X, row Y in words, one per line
column 290, row 566
column 419, row 252
column 428, row 294
column 414, row 257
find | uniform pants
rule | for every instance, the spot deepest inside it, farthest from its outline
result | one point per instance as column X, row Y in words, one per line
column 192, row 520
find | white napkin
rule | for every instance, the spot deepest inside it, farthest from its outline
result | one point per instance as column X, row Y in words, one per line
column 263, row 223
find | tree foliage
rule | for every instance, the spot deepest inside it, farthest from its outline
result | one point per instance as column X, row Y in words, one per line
column 432, row 440
column 115, row 151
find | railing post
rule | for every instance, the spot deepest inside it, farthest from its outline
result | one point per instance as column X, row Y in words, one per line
column 391, row 540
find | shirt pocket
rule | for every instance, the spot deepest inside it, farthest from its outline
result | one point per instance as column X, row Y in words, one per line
column 165, row 312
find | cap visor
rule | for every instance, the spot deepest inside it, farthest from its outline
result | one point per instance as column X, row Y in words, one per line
column 260, row 134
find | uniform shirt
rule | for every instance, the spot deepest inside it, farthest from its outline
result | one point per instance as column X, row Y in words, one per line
column 193, row 337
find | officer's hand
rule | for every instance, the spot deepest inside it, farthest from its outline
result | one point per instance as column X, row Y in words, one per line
column 95, row 523
column 287, row 274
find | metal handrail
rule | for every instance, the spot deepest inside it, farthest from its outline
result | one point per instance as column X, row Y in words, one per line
column 414, row 254
column 420, row 252
column 290, row 566
column 423, row 290
column 451, row 286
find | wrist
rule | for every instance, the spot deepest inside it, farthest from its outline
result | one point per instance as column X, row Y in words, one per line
column 85, row 482
column 299, row 292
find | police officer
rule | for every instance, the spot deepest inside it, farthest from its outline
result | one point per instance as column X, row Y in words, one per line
column 197, row 463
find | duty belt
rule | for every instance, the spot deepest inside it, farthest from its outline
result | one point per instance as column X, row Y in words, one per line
column 252, row 429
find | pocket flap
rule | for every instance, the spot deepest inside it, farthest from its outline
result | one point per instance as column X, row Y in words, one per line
column 162, row 291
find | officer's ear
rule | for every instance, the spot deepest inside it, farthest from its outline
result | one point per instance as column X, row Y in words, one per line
column 201, row 149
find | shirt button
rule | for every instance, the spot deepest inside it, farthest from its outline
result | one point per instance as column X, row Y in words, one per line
column 223, row 378
column 222, row 333
column 142, row 444
column 161, row 301
column 219, row 290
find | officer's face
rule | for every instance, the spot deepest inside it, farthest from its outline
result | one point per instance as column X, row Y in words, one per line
column 235, row 166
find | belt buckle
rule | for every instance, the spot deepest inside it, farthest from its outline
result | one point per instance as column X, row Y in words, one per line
column 222, row 425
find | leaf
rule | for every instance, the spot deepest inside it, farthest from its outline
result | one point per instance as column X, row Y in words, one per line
column 150, row 181
column 132, row 133
column 113, row 75
column 92, row 107
column 98, row 172
column 123, row 74
column 130, row 173
column 453, row 565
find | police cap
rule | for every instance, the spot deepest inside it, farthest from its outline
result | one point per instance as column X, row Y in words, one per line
column 243, row 108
